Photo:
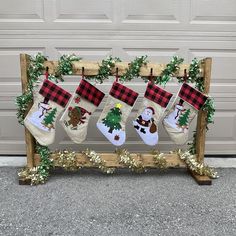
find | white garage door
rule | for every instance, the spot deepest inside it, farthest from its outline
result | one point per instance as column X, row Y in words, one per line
column 123, row 28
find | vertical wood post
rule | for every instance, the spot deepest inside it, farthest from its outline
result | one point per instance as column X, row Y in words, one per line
column 29, row 139
column 201, row 120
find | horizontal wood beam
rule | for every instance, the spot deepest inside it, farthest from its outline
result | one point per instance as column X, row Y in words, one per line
column 111, row 160
column 91, row 68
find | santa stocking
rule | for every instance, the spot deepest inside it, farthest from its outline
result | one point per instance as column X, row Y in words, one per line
column 152, row 108
column 76, row 117
column 187, row 105
column 48, row 104
column 115, row 113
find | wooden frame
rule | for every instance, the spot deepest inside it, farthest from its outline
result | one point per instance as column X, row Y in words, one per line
column 91, row 68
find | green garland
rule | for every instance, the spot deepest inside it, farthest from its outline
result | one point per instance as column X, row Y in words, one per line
column 134, row 69
column 38, row 175
column 194, row 72
column 169, row 71
column 35, row 69
column 105, row 69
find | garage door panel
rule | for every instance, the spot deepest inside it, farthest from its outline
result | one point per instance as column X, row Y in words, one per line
column 124, row 28
column 10, row 63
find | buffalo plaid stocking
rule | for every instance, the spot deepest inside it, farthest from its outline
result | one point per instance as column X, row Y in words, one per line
column 76, row 117
column 48, row 104
column 115, row 113
column 150, row 112
column 189, row 101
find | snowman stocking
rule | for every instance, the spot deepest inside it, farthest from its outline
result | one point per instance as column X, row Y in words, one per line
column 187, row 105
column 115, row 113
column 48, row 104
column 152, row 108
column 76, row 117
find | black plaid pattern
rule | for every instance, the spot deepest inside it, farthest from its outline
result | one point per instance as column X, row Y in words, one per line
column 157, row 95
column 123, row 93
column 54, row 93
column 89, row 92
column 192, row 96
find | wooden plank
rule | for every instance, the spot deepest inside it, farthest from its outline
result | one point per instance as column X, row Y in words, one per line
column 201, row 179
column 112, row 161
column 201, row 121
column 92, row 67
column 24, row 181
column 29, row 139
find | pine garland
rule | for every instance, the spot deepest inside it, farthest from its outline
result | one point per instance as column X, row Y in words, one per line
column 105, row 69
column 134, row 69
column 35, row 69
column 65, row 66
column 169, row 71
column 38, row 175
column 194, row 72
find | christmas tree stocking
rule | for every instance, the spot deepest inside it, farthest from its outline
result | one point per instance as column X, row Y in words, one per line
column 152, row 109
column 41, row 118
column 76, row 117
column 115, row 113
column 187, row 105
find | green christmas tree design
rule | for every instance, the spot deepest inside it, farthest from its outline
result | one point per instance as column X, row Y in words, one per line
column 49, row 119
column 113, row 118
column 184, row 119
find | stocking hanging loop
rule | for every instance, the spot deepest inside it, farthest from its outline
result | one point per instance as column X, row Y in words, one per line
column 117, row 74
column 151, row 76
column 82, row 72
column 185, row 76
column 46, row 72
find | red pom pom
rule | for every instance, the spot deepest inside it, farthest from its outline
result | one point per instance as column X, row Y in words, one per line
column 70, row 108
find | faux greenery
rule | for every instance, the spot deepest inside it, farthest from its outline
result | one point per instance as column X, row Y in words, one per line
column 35, row 69
column 134, row 68
column 65, row 65
column 169, row 71
column 105, row 69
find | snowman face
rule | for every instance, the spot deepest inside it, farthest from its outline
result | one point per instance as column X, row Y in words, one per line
column 147, row 114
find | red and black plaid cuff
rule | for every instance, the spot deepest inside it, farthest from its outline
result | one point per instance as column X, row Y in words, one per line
column 192, row 96
column 157, row 95
column 123, row 93
column 89, row 92
column 54, row 93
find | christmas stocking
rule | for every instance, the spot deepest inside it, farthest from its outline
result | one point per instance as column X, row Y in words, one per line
column 115, row 113
column 177, row 121
column 152, row 109
column 76, row 117
column 41, row 118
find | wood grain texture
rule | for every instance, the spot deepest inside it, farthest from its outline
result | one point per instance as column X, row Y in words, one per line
column 29, row 139
column 201, row 179
column 201, row 120
column 112, row 160
column 92, row 67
